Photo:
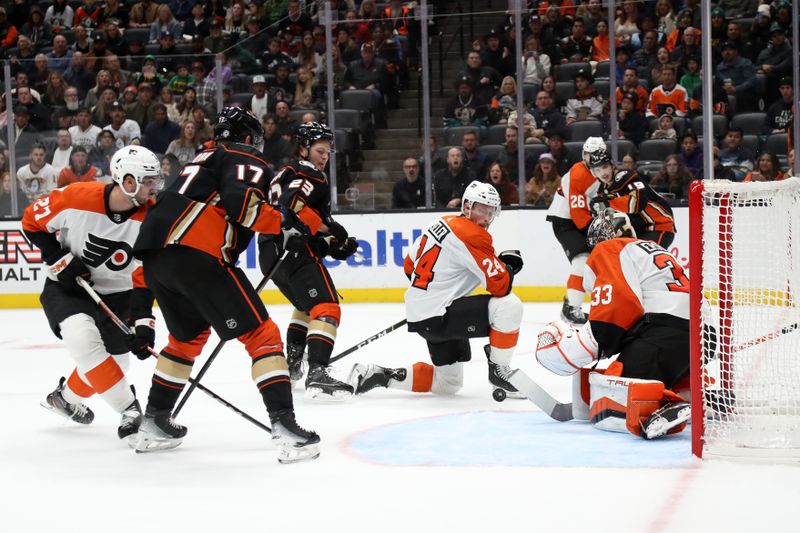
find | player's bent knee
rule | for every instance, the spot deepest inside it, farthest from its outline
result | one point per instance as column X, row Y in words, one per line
column 83, row 340
column 505, row 313
column 327, row 312
column 263, row 339
column 448, row 379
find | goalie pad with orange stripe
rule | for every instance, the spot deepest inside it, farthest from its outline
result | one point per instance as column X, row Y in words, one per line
column 564, row 350
column 623, row 404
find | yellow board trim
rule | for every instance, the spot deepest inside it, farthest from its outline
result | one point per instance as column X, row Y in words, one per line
column 274, row 297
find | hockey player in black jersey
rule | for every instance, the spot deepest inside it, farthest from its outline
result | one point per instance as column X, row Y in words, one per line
column 189, row 244
column 302, row 187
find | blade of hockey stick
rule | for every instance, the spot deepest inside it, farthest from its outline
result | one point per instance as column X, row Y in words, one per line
column 369, row 340
column 768, row 337
column 536, row 394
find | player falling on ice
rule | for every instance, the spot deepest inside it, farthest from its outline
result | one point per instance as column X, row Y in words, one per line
column 87, row 230
column 445, row 265
column 570, row 215
column 640, row 311
column 189, row 245
column 303, row 188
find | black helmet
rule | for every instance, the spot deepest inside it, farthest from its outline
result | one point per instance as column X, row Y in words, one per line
column 607, row 225
column 311, row 132
column 598, row 158
column 235, row 124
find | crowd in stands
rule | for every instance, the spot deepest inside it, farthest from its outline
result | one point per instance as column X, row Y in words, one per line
column 91, row 76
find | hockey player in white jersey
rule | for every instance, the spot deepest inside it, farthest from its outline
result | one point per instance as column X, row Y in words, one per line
column 87, row 230
column 445, row 264
column 639, row 313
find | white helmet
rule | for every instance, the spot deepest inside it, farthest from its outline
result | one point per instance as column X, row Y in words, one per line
column 590, row 146
column 482, row 193
column 136, row 161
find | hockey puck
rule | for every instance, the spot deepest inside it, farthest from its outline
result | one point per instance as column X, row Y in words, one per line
column 499, row 395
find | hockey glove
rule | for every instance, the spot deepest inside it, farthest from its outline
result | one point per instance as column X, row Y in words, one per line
column 144, row 338
column 337, row 231
column 513, row 260
column 294, row 233
column 69, row 267
column 319, row 246
column 345, row 250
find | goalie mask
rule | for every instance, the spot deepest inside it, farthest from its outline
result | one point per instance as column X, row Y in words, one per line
column 592, row 145
column 480, row 203
column 601, row 167
column 139, row 163
column 609, row 224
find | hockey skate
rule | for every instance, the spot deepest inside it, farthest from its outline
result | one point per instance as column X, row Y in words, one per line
column 498, row 377
column 572, row 314
column 159, row 432
column 295, row 359
column 667, row 417
column 320, row 385
column 129, row 423
column 294, row 443
column 77, row 412
column 365, row 377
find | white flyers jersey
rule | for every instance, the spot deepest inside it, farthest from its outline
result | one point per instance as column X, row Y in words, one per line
column 102, row 239
column 630, row 277
column 449, row 260
column 571, row 201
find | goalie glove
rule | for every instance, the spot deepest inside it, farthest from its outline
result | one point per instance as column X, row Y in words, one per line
column 144, row 337
column 344, row 250
column 564, row 350
column 512, row 259
column 69, row 267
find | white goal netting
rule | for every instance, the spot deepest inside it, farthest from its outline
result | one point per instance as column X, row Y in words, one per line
column 750, row 316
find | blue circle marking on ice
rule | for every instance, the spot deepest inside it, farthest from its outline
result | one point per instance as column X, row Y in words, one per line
column 494, row 438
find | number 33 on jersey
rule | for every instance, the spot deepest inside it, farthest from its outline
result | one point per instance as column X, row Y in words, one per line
column 449, row 260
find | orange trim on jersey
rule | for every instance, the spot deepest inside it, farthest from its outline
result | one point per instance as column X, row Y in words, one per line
column 105, row 375
column 423, row 377
column 580, row 180
column 262, row 161
column 310, row 218
column 83, row 196
column 187, row 350
column 623, row 309
column 329, row 309
column 78, row 386
column 138, row 278
column 575, row 282
column 502, row 339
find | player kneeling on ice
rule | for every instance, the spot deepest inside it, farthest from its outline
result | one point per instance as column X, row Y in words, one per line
column 445, row 264
column 639, row 310
column 87, row 230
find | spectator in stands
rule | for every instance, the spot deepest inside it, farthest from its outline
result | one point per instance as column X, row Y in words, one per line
column 669, row 97
column 38, row 114
column 184, row 147
column 780, row 114
column 554, row 28
column 170, row 169
column 277, row 150
column 624, row 61
column 104, row 149
column 587, row 104
column 409, row 192
column 630, row 85
column 734, row 9
column 485, row 80
column 204, row 131
column 296, row 22
column 182, row 79
column 536, row 62
column 745, row 45
column 82, row 43
column 577, row 46
column 128, row 97
column 95, row 59
column 185, row 106
column 197, row 24
column 259, row 103
column 673, row 178
column 495, row 55
column 84, row 133
column 283, row 88
column 437, row 163
column 141, row 110
column 182, row 9
column 665, row 129
column 544, row 183
column 62, row 151
column 167, row 52
column 666, row 17
column 56, row 86
column 10, row 187
column 691, row 156
column 473, row 158
column 465, row 108
column 346, row 44
column 102, row 80
column 218, row 8
column 767, row 169
column 646, row 55
column 549, row 86
column 397, row 73
column 555, row 147
column 100, row 112
column 691, row 78
column 368, row 11
column 497, row 175
column 508, row 156
column 370, row 73
column 78, row 76
column 628, row 162
column 124, row 129
column 718, row 27
column 66, row 116
column 735, row 154
column 8, row 32
column 632, row 124
column 307, row 55
column 529, row 127
column 59, row 56
column 274, row 56
column 306, row 95
column 738, row 77
column 339, row 72
column 59, row 15
column 216, row 41
column 548, row 119
column 689, row 46
column 37, row 29
column 760, row 29
column 627, row 22
column 254, row 41
column 286, row 124
column 38, row 78
column 662, row 61
column 168, row 99
column 79, row 168
column 38, row 177
column 592, row 14
column 504, row 102
column 22, row 60
column 165, row 22
column 783, row 14
column 600, row 44
column 115, row 42
column 150, row 75
column 775, row 61
column 160, row 131
column 450, row 182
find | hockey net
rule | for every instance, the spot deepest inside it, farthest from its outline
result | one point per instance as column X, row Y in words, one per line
column 745, row 274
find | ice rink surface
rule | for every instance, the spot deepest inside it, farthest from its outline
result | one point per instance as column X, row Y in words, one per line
column 391, row 460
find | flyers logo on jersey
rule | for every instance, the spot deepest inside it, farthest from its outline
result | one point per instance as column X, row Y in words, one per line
column 114, row 254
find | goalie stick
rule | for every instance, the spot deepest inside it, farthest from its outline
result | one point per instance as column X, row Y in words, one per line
column 127, row 331
column 540, row 397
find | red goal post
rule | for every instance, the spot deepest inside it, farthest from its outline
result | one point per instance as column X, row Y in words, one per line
column 744, row 262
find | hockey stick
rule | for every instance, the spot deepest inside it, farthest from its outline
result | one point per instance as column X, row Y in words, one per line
column 768, row 337
column 536, row 394
column 195, row 382
column 369, row 340
column 127, row 331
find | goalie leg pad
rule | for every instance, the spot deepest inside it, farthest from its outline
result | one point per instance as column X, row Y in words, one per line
column 448, row 379
column 618, row 404
column 505, row 317
column 580, row 394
